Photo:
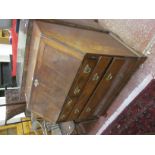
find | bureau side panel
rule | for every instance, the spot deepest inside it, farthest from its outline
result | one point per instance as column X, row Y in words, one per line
column 54, row 75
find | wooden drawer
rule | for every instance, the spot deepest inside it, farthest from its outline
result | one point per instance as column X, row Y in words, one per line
column 86, row 69
column 102, row 88
column 90, row 86
column 126, row 72
column 82, row 77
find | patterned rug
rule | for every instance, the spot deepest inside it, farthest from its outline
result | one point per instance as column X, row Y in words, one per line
column 139, row 117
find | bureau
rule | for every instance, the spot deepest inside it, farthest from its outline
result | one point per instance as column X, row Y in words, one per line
column 75, row 73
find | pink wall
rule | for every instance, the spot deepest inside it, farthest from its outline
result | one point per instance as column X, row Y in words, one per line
column 139, row 35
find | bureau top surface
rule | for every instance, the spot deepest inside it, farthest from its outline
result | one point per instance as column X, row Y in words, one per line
column 84, row 41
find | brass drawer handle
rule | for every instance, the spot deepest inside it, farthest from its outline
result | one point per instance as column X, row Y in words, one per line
column 69, row 102
column 88, row 109
column 95, row 77
column 62, row 117
column 87, row 69
column 77, row 90
column 109, row 77
column 76, row 111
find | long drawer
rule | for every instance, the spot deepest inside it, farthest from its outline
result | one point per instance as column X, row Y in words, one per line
column 129, row 69
column 82, row 77
column 90, row 86
column 102, row 88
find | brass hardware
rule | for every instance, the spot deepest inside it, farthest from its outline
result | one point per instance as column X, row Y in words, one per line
column 95, row 77
column 87, row 69
column 109, row 77
column 76, row 111
column 69, row 102
column 88, row 109
column 63, row 116
column 36, row 83
column 77, row 90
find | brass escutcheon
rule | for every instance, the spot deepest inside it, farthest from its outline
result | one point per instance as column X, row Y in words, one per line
column 76, row 90
column 63, row 116
column 95, row 77
column 36, row 83
column 87, row 69
column 88, row 109
column 69, row 102
column 108, row 77
column 76, row 111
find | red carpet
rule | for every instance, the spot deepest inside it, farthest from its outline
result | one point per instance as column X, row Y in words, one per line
column 139, row 117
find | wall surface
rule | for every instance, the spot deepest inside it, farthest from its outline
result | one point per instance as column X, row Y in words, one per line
column 139, row 35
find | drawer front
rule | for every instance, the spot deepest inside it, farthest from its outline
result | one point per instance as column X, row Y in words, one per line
column 102, row 88
column 133, row 64
column 86, row 69
column 81, row 78
column 90, row 86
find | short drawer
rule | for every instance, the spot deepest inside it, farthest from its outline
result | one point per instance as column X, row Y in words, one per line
column 90, row 86
column 102, row 88
column 81, row 78
column 86, row 69
column 69, row 103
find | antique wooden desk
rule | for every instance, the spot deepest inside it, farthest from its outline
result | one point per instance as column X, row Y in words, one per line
column 72, row 72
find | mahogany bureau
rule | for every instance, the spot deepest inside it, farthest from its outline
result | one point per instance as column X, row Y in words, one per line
column 75, row 73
